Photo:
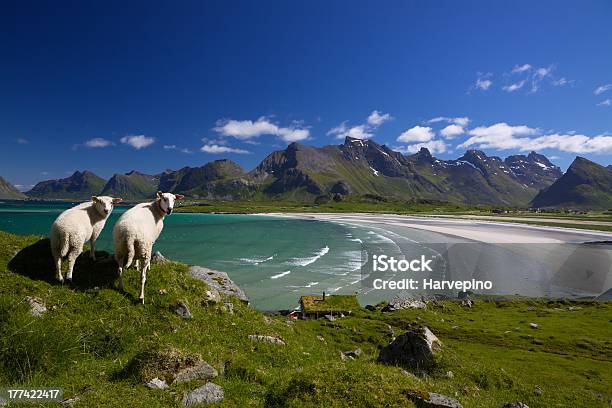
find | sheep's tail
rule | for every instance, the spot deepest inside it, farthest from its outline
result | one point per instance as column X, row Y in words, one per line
column 60, row 243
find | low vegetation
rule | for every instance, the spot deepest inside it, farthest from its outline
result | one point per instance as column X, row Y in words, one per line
column 99, row 344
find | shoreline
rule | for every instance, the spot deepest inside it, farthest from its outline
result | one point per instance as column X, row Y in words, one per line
column 470, row 229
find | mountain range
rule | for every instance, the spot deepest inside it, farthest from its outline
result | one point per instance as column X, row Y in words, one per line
column 361, row 168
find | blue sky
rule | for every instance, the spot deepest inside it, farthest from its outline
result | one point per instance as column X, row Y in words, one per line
column 115, row 86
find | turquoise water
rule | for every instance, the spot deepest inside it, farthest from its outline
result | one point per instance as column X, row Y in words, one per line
column 274, row 260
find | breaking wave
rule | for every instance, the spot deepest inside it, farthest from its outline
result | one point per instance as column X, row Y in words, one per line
column 280, row 275
column 311, row 259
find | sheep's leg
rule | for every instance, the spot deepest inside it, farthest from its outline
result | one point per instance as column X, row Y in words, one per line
column 143, row 277
column 58, row 269
column 93, row 247
column 120, row 275
column 137, row 265
column 72, row 256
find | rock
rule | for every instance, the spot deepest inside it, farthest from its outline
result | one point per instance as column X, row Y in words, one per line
column 209, row 393
column 433, row 400
column 212, row 296
column 515, row 405
column 467, row 302
column 537, row 341
column 218, row 281
column 156, row 384
column 266, row 339
column 158, row 258
column 449, row 374
column 415, row 348
column 354, row 353
column 538, row 390
column 69, row 401
column 331, row 318
column 399, row 303
column 201, row 371
column 533, row 325
column 37, row 306
column 321, row 338
column 182, row 310
column 371, row 308
column 229, row 308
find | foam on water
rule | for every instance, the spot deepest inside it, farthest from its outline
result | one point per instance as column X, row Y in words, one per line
column 309, row 260
column 280, row 275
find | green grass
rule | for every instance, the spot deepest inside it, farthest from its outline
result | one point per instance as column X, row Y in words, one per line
column 98, row 343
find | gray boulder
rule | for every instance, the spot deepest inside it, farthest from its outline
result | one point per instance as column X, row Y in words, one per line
column 515, row 405
column 209, row 393
column 156, row 384
column 433, row 400
column 266, row 339
column 182, row 310
column 415, row 348
column 158, row 258
column 201, row 371
column 37, row 306
column 218, row 281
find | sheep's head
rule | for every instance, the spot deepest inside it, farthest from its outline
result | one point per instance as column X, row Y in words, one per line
column 165, row 201
column 104, row 204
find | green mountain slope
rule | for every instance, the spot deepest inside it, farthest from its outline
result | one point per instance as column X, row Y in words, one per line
column 80, row 185
column 217, row 179
column 584, row 185
column 132, row 186
column 9, row 191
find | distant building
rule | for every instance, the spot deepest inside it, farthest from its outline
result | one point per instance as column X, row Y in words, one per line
column 313, row 307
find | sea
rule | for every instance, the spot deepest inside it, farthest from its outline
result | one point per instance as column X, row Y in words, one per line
column 275, row 260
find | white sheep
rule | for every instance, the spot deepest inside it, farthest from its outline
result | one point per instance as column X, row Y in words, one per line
column 74, row 227
column 135, row 233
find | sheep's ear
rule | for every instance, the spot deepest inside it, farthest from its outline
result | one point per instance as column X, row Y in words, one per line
column 179, row 196
column 159, row 194
column 94, row 199
column 117, row 200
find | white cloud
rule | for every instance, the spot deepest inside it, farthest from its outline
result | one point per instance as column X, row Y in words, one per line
column 21, row 140
column 216, row 149
column 417, row 134
column 364, row 131
column 247, row 129
column 452, row 131
column 461, row 121
column 521, row 68
column 137, row 141
column 602, row 88
column 377, row 119
column 434, row 146
column 357, row 132
column 605, row 102
column 23, row 187
column 44, row 173
column 502, row 136
column 514, row 87
column 180, row 149
column 534, row 76
column 562, row 82
column 483, row 83
column 98, row 142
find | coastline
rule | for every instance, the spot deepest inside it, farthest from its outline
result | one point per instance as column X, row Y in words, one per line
column 470, row 229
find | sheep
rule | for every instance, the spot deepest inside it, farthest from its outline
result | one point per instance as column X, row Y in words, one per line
column 74, row 227
column 135, row 233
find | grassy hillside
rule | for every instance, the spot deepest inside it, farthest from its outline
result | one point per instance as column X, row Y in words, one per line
column 99, row 344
